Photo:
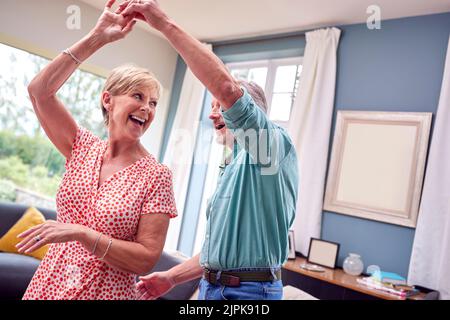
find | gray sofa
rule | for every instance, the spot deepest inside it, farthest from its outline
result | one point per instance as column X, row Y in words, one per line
column 16, row 270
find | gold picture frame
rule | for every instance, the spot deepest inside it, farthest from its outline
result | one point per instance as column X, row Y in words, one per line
column 377, row 165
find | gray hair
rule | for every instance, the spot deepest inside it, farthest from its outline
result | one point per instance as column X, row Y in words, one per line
column 256, row 92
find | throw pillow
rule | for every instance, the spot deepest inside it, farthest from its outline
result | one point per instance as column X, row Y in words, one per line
column 31, row 218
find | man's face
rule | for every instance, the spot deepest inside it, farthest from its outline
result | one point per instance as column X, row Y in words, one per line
column 223, row 135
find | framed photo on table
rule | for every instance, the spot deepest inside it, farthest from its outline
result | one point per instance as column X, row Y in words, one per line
column 323, row 253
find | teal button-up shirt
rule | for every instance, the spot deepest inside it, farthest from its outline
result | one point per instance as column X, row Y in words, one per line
column 253, row 206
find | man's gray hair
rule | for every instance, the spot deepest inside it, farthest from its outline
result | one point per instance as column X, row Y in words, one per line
column 256, row 92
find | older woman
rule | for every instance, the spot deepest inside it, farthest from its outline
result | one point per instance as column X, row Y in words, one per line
column 115, row 199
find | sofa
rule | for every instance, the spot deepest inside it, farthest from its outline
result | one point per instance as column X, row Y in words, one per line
column 16, row 270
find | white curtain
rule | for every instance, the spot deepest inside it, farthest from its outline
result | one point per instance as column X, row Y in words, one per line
column 181, row 146
column 430, row 259
column 310, row 127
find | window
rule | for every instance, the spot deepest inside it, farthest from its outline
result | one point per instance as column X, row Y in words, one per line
column 279, row 79
column 31, row 168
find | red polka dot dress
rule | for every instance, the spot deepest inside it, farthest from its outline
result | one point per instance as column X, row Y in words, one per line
column 69, row 271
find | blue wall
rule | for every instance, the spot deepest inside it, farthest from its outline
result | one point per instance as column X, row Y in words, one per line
column 396, row 68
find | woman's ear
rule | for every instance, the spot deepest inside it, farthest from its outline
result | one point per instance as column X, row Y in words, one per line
column 106, row 100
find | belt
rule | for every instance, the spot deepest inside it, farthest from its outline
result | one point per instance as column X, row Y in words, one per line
column 234, row 278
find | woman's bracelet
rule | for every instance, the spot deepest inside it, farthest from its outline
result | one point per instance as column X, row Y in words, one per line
column 107, row 249
column 67, row 51
column 96, row 242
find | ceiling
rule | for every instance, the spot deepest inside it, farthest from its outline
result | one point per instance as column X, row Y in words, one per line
column 218, row 20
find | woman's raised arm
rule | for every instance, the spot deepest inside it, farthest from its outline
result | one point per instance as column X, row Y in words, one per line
column 57, row 122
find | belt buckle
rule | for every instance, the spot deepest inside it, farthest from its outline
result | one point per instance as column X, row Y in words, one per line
column 210, row 276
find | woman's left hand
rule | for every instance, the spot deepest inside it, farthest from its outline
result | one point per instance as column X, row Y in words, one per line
column 112, row 26
column 48, row 232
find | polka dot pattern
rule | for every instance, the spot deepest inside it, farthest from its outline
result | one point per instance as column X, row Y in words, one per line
column 69, row 271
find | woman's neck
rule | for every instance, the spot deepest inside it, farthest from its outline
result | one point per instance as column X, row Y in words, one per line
column 117, row 148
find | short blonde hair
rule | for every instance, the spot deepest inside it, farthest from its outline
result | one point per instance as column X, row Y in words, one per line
column 126, row 78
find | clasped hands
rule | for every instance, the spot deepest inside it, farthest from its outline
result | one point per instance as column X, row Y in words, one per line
column 112, row 26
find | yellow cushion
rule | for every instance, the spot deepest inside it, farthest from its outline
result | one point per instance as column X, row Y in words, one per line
column 30, row 218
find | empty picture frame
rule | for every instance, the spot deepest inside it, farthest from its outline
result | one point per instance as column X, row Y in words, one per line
column 377, row 165
column 323, row 253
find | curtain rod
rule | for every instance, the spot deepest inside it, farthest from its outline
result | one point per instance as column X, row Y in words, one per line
column 258, row 39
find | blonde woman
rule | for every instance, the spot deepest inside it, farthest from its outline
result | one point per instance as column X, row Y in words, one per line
column 115, row 199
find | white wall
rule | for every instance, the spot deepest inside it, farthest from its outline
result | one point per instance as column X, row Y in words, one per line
column 40, row 26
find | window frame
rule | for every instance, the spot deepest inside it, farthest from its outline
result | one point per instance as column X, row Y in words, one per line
column 272, row 65
column 211, row 175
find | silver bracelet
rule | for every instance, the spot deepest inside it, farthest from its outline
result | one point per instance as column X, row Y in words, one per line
column 67, row 51
column 107, row 249
column 96, row 242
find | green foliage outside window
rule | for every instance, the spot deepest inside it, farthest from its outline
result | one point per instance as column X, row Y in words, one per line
column 7, row 191
column 28, row 159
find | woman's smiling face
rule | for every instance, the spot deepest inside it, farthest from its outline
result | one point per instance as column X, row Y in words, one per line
column 131, row 114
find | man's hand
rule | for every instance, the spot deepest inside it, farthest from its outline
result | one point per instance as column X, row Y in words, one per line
column 148, row 11
column 154, row 285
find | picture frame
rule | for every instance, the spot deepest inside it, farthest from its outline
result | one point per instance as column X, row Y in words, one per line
column 291, row 243
column 323, row 253
column 377, row 165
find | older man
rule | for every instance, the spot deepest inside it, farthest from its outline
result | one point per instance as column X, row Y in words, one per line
column 253, row 206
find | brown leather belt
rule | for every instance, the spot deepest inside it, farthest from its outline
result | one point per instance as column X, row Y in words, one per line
column 233, row 279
